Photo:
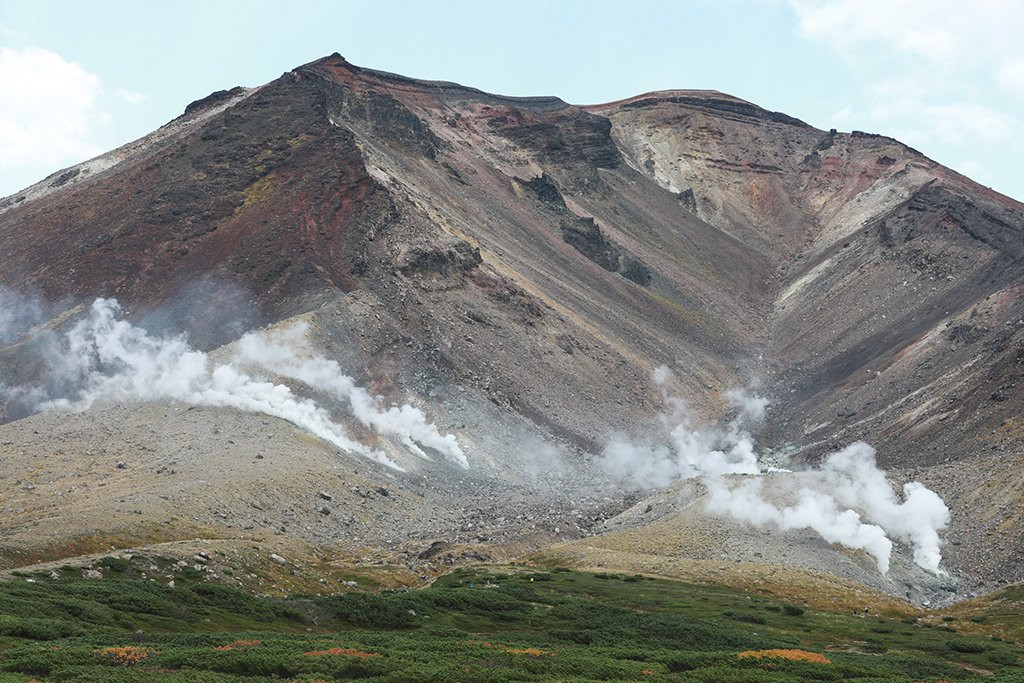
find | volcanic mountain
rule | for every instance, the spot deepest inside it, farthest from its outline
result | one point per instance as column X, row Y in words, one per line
column 517, row 268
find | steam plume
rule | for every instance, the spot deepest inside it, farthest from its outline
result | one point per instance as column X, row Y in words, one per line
column 846, row 500
column 109, row 359
column 276, row 351
column 690, row 452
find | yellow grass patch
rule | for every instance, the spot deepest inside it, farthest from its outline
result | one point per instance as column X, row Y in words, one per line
column 531, row 651
column 792, row 655
column 346, row 651
column 238, row 644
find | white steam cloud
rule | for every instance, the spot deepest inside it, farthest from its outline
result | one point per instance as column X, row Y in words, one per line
column 276, row 351
column 109, row 359
column 690, row 452
column 847, row 500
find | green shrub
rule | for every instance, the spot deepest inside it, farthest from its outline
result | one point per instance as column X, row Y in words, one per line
column 919, row 668
column 1003, row 657
column 116, row 564
column 793, row 610
column 965, row 646
column 875, row 647
column 690, row 661
column 234, row 600
column 36, row 629
column 360, row 609
column 490, row 602
column 257, row 661
column 746, row 618
column 586, row 628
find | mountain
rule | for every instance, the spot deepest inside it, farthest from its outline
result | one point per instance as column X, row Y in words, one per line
column 517, row 268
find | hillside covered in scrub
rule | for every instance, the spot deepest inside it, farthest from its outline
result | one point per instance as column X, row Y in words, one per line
column 498, row 624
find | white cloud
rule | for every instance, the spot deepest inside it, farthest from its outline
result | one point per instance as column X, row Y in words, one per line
column 131, row 97
column 845, row 24
column 896, row 87
column 48, row 109
column 919, row 111
column 937, row 74
column 946, row 33
column 954, row 123
column 1010, row 75
column 964, row 122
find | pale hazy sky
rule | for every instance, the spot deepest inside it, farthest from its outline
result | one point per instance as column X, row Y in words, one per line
column 946, row 77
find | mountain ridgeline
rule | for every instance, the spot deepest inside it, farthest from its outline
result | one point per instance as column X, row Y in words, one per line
column 518, row 267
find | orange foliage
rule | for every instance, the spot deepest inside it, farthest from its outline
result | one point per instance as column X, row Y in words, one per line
column 238, row 644
column 793, row 655
column 532, row 651
column 129, row 655
column 347, row 651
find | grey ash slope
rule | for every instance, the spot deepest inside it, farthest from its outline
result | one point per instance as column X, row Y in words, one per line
column 517, row 266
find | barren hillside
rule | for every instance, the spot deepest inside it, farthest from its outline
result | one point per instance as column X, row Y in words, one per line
column 516, row 268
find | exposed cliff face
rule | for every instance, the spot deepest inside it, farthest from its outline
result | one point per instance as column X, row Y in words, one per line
column 519, row 265
column 877, row 252
column 263, row 195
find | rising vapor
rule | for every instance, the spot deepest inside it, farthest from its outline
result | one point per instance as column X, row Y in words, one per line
column 107, row 359
column 846, row 500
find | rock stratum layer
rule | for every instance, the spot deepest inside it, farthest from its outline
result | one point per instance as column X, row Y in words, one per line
column 517, row 267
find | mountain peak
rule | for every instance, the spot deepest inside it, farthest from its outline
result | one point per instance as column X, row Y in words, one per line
column 714, row 100
column 516, row 268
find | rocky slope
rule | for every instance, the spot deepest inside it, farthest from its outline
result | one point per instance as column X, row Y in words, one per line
column 516, row 267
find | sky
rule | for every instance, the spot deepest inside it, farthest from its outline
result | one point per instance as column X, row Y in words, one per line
column 944, row 76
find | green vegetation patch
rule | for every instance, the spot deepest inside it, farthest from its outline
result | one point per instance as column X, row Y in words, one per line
column 254, row 194
column 473, row 625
